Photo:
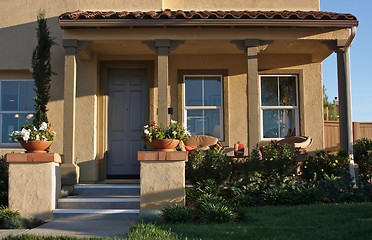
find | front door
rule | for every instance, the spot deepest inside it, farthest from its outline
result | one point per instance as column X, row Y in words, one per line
column 127, row 113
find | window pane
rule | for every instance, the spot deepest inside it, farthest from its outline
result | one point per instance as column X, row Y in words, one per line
column 204, row 122
column 212, row 91
column 9, row 124
column 26, row 97
column 13, row 122
column 279, row 123
column 193, row 91
column 287, row 123
column 269, row 91
column 287, row 86
column 271, row 123
column 9, row 95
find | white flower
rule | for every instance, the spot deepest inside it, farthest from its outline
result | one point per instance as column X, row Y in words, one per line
column 44, row 138
column 146, row 126
column 43, row 127
column 174, row 133
column 35, row 129
column 173, row 121
column 37, row 138
column 26, row 136
column 187, row 132
column 54, row 132
column 147, row 132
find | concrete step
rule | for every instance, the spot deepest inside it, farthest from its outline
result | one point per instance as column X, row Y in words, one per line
column 107, row 189
column 98, row 202
column 96, row 214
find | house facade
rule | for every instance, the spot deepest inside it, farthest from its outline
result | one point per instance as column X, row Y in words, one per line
column 247, row 71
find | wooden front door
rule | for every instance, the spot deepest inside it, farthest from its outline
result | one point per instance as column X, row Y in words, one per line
column 127, row 113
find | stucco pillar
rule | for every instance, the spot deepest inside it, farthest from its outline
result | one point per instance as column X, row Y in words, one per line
column 162, row 46
column 254, row 126
column 34, row 183
column 70, row 171
column 162, row 179
column 344, row 94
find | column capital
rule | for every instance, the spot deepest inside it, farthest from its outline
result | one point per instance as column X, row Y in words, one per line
column 70, row 46
column 167, row 44
column 261, row 45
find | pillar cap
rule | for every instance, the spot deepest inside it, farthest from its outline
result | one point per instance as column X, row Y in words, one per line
column 33, row 157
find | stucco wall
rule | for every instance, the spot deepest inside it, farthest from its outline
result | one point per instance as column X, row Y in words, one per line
column 291, row 5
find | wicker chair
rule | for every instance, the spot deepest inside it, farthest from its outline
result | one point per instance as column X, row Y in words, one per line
column 202, row 141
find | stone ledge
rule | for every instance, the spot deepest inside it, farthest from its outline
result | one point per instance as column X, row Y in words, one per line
column 33, row 157
column 162, row 156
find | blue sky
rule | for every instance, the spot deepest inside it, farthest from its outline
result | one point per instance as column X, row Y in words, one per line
column 361, row 58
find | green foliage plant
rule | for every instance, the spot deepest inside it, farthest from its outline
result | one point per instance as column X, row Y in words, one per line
column 209, row 164
column 278, row 159
column 363, row 157
column 4, row 168
column 216, row 212
column 325, row 163
column 41, row 69
column 177, row 214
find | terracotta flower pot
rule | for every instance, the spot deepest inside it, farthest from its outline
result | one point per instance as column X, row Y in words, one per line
column 164, row 145
column 36, row 146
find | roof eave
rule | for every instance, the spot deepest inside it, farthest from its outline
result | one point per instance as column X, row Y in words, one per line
column 110, row 23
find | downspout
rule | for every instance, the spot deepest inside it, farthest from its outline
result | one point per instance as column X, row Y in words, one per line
column 348, row 99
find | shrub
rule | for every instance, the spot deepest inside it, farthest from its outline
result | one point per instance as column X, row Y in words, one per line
column 5, row 215
column 308, row 195
column 325, row 163
column 177, row 214
column 278, row 159
column 216, row 212
column 142, row 231
column 3, row 182
column 363, row 157
column 210, row 164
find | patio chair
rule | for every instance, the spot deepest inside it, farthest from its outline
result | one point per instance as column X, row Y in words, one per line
column 204, row 142
column 298, row 144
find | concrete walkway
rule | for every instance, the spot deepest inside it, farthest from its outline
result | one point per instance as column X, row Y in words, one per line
column 76, row 228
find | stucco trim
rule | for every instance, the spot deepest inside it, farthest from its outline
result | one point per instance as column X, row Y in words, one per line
column 224, row 73
column 107, row 23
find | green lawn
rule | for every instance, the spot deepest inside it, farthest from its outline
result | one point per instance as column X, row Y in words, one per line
column 331, row 221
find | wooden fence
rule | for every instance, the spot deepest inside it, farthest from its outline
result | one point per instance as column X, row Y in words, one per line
column 332, row 133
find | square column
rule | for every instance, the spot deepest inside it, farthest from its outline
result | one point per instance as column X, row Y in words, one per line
column 162, row 46
column 70, row 171
column 254, row 125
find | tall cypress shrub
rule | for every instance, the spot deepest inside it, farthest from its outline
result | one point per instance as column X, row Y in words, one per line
column 41, row 69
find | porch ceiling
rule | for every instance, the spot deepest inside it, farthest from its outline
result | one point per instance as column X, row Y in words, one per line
column 316, row 49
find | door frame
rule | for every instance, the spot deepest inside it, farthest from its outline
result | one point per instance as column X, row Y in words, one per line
column 102, row 118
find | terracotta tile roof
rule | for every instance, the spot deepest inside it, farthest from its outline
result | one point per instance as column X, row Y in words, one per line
column 168, row 14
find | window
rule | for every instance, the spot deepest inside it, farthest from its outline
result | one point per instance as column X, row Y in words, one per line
column 279, row 106
column 16, row 106
column 203, row 105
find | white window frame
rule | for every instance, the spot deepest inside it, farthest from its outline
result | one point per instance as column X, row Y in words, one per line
column 203, row 107
column 295, row 108
column 11, row 112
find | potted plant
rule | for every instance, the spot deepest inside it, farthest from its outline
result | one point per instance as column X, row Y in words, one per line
column 164, row 139
column 34, row 140
column 37, row 137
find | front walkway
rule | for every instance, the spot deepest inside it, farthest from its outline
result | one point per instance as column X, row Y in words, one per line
column 76, row 228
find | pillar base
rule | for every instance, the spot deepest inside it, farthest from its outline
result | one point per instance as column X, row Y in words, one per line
column 70, row 174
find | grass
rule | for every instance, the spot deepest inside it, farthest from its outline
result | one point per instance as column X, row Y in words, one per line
column 331, row 221
column 306, row 222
